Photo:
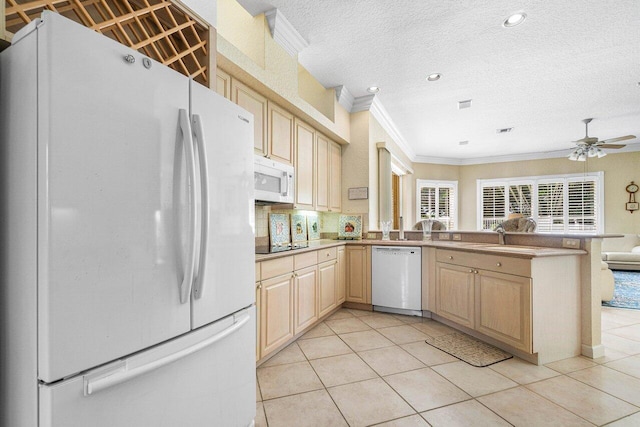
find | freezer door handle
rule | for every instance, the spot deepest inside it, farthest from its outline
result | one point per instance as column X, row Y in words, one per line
column 198, row 133
column 185, row 127
column 121, row 372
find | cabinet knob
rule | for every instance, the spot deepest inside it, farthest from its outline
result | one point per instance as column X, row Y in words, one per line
column 450, row 257
column 471, row 271
column 475, row 271
column 259, row 286
column 327, row 254
column 499, row 264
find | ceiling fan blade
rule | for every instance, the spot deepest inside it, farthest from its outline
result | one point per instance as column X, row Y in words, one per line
column 611, row 145
column 587, row 140
column 620, row 138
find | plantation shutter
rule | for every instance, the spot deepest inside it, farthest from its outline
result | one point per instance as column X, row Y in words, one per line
column 427, row 202
column 581, row 211
column 438, row 201
column 520, row 199
column 551, row 207
column 493, row 206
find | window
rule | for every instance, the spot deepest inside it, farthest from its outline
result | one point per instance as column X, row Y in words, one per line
column 558, row 204
column 438, row 200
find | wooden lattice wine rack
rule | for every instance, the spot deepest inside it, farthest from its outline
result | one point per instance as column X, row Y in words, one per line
column 158, row 29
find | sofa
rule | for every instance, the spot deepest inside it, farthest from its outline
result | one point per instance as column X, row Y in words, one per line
column 622, row 253
column 607, row 282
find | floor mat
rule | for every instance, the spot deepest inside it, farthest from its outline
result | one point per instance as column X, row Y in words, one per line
column 469, row 349
column 626, row 292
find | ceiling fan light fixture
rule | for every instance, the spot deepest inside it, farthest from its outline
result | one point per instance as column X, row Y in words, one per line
column 582, row 157
column 593, row 151
column 601, row 153
column 515, row 19
column 574, row 155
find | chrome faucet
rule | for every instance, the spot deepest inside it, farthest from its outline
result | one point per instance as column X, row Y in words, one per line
column 500, row 230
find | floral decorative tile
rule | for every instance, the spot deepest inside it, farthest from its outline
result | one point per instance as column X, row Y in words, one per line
column 313, row 227
column 279, row 229
column 350, row 227
column 298, row 228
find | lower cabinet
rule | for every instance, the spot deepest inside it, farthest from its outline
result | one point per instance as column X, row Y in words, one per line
column 327, row 296
column 472, row 293
column 276, row 312
column 358, row 274
column 342, row 275
column 306, row 297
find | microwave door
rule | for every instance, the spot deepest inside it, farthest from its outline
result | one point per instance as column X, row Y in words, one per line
column 267, row 183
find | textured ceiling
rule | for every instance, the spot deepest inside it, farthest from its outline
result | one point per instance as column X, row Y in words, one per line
column 568, row 61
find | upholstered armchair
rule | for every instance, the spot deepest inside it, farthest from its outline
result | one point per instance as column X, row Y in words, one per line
column 437, row 226
column 519, row 225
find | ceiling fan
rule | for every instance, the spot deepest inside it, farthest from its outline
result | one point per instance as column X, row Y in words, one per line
column 590, row 146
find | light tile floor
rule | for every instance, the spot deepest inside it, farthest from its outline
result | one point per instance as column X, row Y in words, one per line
column 360, row 368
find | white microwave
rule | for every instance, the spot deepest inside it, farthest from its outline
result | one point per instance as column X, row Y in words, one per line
column 273, row 181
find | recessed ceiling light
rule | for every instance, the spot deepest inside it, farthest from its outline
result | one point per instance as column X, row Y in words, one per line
column 433, row 77
column 373, row 89
column 515, row 19
column 464, row 104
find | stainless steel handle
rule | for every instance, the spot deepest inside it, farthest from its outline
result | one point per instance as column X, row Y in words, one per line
column 198, row 132
column 189, row 266
column 122, row 373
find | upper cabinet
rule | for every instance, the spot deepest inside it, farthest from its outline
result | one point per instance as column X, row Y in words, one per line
column 223, row 83
column 335, row 177
column 256, row 104
column 322, row 173
column 305, row 154
column 280, row 140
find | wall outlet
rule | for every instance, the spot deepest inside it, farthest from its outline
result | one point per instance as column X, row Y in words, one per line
column 571, row 243
column 457, row 237
column 371, row 235
column 443, row 236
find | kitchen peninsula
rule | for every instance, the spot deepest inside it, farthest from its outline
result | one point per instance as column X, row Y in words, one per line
column 532, row 297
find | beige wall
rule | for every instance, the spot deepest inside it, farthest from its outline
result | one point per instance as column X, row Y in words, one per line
column 619, row 169
column 356, row 167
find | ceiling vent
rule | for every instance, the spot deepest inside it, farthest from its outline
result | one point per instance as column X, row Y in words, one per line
column 464, row 104
column 504, row 130
column 463, row 143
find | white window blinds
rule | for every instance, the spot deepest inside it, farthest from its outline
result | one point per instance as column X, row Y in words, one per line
column 438, row 200
column 558, row 204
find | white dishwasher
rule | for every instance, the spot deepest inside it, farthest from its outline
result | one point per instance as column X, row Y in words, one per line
column 396, row 275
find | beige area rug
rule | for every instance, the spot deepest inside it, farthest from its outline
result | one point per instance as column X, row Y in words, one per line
column 468, row 349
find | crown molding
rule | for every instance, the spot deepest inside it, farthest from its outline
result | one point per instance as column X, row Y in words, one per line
column 344, row 97
column 284, row 33
column 382, row 116
column 362, row 103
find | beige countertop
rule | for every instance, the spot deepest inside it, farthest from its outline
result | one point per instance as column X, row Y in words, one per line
column 488, row 248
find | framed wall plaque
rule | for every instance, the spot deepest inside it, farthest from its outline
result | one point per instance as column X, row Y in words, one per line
column 358, row 193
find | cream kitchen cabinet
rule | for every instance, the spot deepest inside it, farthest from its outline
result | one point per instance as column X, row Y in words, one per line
column 322, row 173
column 328, row 280
column 335, row 177
column 342, row 274
column 488, row 293
column 305, row 155
column 280, row 134
column 306, row 291
column 276, row 304
column 223, row 83
column 358, row 286
column 256, row 104
column 258, row 290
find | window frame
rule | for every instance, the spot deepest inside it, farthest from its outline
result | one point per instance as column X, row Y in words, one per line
column 535, row 182
column 453, row 221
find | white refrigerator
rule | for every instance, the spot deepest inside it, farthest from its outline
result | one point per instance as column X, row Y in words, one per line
column 127, row 217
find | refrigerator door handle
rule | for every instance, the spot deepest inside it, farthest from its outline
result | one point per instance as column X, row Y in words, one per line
column 189, row 267
column 198, row 133
column 121, row 372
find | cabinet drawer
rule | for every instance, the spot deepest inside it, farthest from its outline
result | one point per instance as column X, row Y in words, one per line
column 304, row 260
column 498, row 263
column 257, row 271
column 276, row 267
column 327, row 254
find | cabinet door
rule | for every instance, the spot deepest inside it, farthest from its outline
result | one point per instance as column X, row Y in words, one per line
column 306, row 291
column 358, row 287
column 223, row 83
column 256, row 104
column 305, row 156
column 280, row 140
column 503, row 308
column 327, row 299
column 258, row 311
column 276, row 313
column 342, row 275
column 322, row 173
column 455, row 293
column 335, row 177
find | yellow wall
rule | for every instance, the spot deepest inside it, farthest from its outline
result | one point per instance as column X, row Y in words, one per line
column 315, row 94
column 355, row 166
column 619, row 170
column 243, row 30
